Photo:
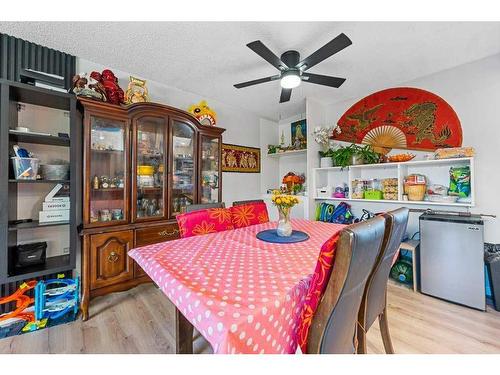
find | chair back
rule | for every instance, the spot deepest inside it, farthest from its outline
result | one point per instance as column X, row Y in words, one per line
column 241, row 203
column 374, row 300
column 204, row 206
column 333, row 327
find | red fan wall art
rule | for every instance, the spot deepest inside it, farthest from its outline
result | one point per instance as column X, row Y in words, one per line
column 404, row 118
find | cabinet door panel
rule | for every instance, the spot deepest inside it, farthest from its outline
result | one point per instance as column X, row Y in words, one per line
column 106, row 177
column 110, row 263
column 210, row 169
column 149, row 168
column 184, row 149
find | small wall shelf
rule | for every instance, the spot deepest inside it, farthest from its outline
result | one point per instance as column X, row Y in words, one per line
column 35, row 224
column 39, row 139
column 287, row 153
column 13, row 181
column 436, row 171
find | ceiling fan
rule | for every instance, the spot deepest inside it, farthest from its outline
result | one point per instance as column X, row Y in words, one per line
column 293, row 70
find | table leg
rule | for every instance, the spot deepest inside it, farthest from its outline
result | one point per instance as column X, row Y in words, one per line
column 183, row 334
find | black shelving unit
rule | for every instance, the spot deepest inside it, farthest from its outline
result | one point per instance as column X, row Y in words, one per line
column 39, row 139
column 12, row 93
column 13, row 181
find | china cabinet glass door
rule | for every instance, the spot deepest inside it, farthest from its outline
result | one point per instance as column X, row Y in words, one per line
column 210, row 151
column 183, row 167
column 108, row 165
column 149, row 168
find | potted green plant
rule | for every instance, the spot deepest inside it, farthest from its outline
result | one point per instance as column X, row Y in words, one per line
column 355, row 155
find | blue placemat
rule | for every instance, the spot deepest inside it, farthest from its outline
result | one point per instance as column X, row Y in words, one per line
column 270, row 235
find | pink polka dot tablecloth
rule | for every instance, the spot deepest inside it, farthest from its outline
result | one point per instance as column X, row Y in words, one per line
column 242, row 294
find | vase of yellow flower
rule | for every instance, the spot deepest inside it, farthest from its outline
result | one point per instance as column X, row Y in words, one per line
column 284, row 203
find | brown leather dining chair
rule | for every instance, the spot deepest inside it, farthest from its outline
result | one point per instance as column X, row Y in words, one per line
column 374, row 302
column 333, row 328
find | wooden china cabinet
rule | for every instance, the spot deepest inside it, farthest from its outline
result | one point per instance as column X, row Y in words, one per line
column 143, row 164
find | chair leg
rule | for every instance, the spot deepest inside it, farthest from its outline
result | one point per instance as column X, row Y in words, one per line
column 384, row 330
column 361, row 338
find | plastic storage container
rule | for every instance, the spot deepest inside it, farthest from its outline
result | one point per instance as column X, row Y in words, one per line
column 25, row 168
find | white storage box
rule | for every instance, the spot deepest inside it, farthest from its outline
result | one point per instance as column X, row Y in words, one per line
column 55, row 205
column 325, row 192
column 51, row 216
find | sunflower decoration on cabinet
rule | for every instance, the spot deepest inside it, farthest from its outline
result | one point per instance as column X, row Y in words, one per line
column 401, row 118
column 203, row 113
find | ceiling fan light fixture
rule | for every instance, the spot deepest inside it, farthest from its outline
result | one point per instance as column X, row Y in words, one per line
column 290, row 79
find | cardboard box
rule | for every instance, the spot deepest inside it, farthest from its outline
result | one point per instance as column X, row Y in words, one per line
column 55, row 205
column 51, row 216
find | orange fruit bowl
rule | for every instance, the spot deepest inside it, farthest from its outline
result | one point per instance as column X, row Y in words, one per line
column 398, row 158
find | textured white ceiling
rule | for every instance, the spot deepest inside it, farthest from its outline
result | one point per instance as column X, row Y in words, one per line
column 207, row 58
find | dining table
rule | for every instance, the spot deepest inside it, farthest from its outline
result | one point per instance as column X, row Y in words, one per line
column 242, row 294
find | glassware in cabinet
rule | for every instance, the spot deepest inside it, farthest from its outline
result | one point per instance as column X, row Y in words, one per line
column 210, row 159
column 183, row 167
column 149, row 168
column 108, row 165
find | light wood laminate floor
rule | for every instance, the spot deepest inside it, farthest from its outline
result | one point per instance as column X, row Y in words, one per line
column 140, row 321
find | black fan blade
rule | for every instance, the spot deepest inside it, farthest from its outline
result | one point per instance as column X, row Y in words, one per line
column 323, row 80
column 332, row 47
column 256, row 81
column 285, row 95
column 260, row 49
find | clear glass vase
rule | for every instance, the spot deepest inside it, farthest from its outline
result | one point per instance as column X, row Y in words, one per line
column 284, row 228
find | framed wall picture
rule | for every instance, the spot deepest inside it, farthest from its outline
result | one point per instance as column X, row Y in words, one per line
column 299, row 134
column 240, row 159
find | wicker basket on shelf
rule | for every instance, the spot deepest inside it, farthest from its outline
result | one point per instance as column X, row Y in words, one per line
column 415, row 192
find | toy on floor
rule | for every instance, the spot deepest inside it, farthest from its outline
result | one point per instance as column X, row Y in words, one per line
column 57, row 300
column 12, row 322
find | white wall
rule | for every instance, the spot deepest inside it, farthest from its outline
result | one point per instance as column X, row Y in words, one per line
column 473, row 90
column 269, row 165
column 242, row 127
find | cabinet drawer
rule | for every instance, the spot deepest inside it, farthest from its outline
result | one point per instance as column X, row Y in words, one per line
column 109, row 262
column 151, row 235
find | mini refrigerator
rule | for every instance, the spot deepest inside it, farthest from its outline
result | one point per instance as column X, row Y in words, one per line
column 452, row 258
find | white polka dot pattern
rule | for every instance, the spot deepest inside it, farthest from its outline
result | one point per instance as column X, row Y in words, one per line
column 244, row 295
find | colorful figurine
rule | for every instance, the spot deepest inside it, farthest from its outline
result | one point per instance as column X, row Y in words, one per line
column 137, row 92
column 203, row 113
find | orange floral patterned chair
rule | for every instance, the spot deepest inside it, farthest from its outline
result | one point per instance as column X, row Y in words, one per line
column 316, row 289
column 249, row 214
column 204, row 221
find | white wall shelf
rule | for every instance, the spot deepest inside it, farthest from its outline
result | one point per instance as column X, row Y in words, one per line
column 436, row 171
column 287, row 153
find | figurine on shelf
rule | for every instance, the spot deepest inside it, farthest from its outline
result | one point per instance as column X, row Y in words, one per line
column 105, row 215
column 104, row 182
column 137, row 92
column 95, row 183
column 117, row 214
column 86, row 86
column 203, row 113
column 114, row 93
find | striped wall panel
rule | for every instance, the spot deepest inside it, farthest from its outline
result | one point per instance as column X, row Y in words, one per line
column 16, row 54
